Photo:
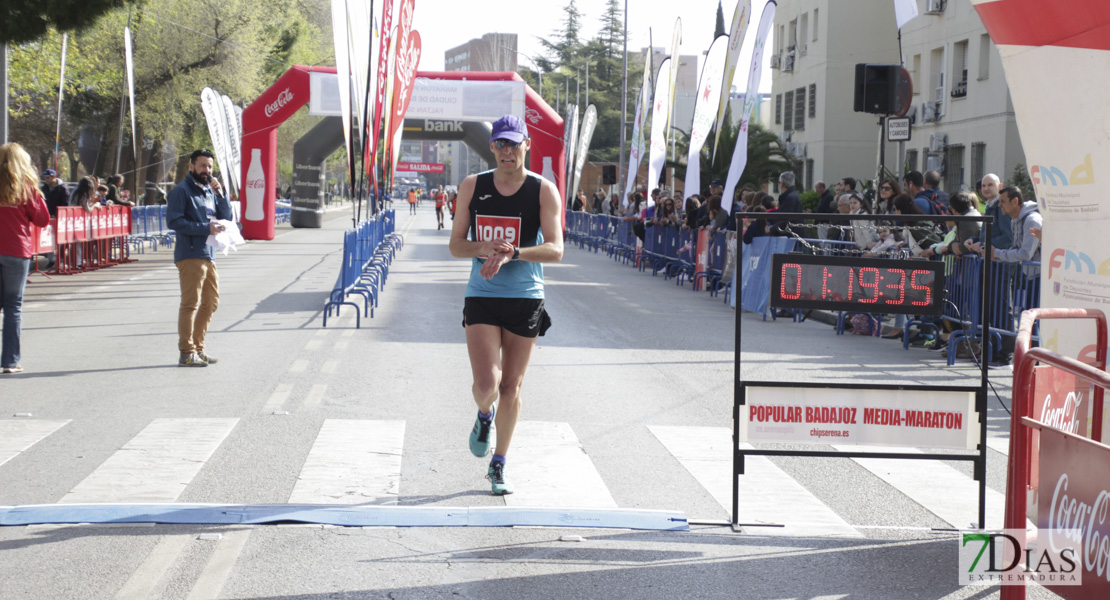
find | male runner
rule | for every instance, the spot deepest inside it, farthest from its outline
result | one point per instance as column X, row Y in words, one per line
column 441, row 199
column 507, row 222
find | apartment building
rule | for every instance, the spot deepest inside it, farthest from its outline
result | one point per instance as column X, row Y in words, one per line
column 962, row 118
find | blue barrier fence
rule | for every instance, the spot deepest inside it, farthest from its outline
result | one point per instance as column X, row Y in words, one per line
column 148, row 225
column 1014, row 287
column 368, row 251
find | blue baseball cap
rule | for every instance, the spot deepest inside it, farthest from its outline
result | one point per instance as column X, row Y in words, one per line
column 50, row 173
column 509, row 127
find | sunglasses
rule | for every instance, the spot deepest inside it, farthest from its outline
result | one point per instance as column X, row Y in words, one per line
column 502, row 144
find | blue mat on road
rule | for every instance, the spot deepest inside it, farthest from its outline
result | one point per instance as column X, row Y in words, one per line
column 343, row 515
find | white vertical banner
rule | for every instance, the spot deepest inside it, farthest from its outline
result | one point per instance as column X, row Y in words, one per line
column 217, row 130
column 339, row 28
column 589, row 121
column 751, row 97
column 657, row 151
column 636, row 154
column 61, row 94
column 672, row 73
column 359, row 37
column 740, row 18
column 704, row 110
column 570, row 141
column 129, row 57
column 234, row 144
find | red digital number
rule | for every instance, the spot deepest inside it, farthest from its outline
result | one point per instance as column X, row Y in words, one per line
column 923, row 288
column 900, row 286
column 797, row 282
column 874, row 285
column 824, row 283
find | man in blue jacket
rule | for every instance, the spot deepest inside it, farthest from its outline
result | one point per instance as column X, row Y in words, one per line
column 193, row 209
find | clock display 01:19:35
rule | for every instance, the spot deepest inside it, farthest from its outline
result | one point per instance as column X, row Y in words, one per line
column 851, row 283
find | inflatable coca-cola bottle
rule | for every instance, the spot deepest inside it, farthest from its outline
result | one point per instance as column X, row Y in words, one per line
column 256, row 187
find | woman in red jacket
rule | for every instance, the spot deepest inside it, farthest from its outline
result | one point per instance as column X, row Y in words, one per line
column 21, row 205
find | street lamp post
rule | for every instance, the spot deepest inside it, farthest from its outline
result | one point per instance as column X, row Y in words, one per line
column 539, row 73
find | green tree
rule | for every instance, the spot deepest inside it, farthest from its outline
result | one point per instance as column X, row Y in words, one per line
column 28, row 20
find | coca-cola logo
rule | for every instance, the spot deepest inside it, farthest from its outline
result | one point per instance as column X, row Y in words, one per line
column 1086, row 523
column 282, row 99
column 256, row 184
column 1064, row 417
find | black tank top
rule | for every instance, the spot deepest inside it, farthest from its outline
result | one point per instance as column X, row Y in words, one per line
column 515, row 218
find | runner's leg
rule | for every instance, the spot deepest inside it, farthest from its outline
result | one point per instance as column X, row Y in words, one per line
column 483, row 343
column 516, row 352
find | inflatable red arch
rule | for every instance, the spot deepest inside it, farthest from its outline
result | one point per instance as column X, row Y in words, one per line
column 291, row 91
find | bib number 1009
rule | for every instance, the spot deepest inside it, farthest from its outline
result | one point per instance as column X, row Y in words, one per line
column 495, row 228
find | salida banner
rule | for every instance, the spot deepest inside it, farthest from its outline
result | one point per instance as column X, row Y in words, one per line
column 420, row 167
column 916, row 418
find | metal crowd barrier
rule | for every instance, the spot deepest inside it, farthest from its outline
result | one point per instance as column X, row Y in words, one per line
column 86, row 241
column 368, row 251
column 148, row 226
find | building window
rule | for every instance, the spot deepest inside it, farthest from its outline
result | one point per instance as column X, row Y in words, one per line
column 978, row 162
column 984, row 56
column 954, row 169
column 803, row 33
column 778, row 109
column 788, row 110
column 911, row 160
column 959, row 69
column 915, row 74
column 809, row 174
column 815, row 21
column 800, row 109
column 813, row 100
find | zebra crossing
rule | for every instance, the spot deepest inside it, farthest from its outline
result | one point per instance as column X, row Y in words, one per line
column 355, row 461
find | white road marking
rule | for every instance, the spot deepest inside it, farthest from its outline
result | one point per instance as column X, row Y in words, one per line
column 313, row 345
column 315, row 395
column 547, row 466
column 17, row 436
column 146, row 580
column 156, row 465
column 219, row 565
column 299, row 366
column 329, row 366
column 341, row 345
column 939, row 488
column 278, row 398
column 767, row 494
column 352, row 462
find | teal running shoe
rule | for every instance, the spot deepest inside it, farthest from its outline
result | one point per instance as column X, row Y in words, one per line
column 496, row 477
column 481, row 434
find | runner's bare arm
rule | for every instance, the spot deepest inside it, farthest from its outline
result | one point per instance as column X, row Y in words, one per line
column 460, row 246
column 551, row 250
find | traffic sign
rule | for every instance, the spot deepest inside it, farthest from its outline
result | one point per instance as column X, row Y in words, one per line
column 898, row 129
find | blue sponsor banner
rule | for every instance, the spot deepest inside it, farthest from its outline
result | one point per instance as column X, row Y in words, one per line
column 755, row 295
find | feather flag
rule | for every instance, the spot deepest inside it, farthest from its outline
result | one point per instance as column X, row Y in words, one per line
column 657, row 151
column 636, row 154
column 704, row 109
column 740, row 18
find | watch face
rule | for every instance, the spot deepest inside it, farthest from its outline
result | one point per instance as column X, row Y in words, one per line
column 877, row 285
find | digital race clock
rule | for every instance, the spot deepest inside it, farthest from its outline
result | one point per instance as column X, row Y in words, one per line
column 876, row 285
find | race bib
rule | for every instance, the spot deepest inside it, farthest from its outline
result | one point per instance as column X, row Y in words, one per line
column 492, row 228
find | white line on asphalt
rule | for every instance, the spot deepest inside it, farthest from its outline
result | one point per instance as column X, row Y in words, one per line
column 348, row 333
column 216, row 572
column 329, row 366
column 352, row 462
column 156, row 465
column 768, row 495
column 278, row 398
column 298, row 366
column 18, row 436
column 341, row 345
column 548, row 467
column 937, row 487
column 313, row 345
column 315, row 395
column 146, row 580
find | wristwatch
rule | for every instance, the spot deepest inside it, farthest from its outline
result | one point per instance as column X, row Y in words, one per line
column 516, row 253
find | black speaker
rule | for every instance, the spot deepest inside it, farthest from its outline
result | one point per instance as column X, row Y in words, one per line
column 608, row 174
column 877, row 89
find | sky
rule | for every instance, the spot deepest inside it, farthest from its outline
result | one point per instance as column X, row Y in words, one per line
column 444, row 24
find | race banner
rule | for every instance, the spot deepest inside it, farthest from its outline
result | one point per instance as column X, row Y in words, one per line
column 636, row 154
column 422, row 167
column 234, row 145
column 913, row 418
column 589, row 121
column 751, row 96
column 570, row 140
column 740, row 18
column 703, row 112
column 657, row 152
column 339, row 30
column 672, row 74
column 408, row 59
column 381, row 81
column 130, row 59
column 214, row 115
